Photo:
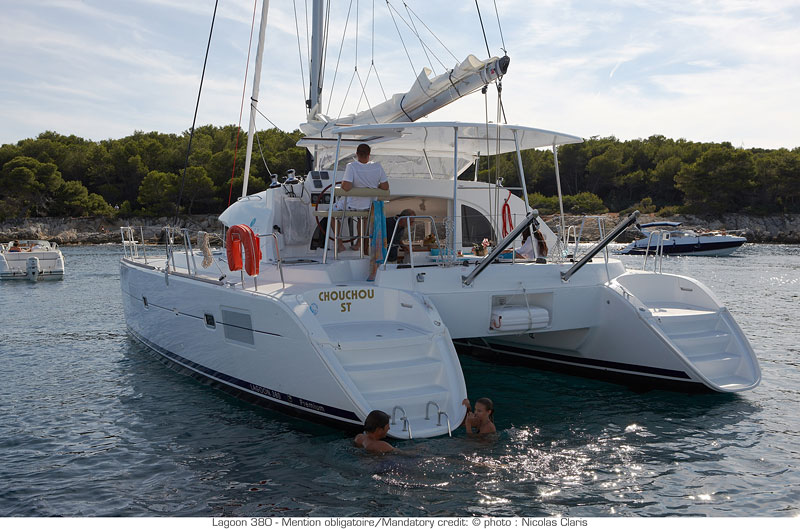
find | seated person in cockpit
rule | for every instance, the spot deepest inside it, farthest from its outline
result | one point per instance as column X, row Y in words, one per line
column 401, row 224
column 532, row 250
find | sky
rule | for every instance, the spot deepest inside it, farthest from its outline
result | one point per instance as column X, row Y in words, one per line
column 724, row 70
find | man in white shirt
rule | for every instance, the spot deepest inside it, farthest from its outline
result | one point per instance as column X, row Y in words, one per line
column 361, row 173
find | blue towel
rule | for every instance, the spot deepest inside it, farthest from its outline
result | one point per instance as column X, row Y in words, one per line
column 379, row 231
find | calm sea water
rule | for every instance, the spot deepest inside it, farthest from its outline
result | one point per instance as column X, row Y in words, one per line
column 92, row 425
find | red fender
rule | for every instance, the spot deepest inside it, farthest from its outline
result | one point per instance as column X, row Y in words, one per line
column 238, row 235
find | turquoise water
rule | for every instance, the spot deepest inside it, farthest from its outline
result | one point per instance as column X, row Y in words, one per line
column 91, row 424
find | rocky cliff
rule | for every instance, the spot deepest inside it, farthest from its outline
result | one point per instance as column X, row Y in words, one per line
column 98, row 230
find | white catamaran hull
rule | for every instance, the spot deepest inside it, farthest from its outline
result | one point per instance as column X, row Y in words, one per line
column 298, row 351
column 670, row 338
column 638, row 324
column 335, row 350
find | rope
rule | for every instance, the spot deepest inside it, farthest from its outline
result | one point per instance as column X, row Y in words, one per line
column 241, row 107
column 196, row 108
column 202, row 241
column 528, row 305
column 508, row 223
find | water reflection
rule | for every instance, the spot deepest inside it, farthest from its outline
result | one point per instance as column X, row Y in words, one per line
column 95, row 425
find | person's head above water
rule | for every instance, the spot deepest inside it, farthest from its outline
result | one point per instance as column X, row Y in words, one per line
column 375, row 420
column 484, row 407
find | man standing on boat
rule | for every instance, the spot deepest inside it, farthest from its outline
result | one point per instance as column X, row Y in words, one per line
column 361, row 173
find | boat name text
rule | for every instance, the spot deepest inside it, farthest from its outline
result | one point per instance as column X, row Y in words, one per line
column 347, row 295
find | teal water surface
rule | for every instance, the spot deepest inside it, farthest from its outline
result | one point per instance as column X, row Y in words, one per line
column 91, row 424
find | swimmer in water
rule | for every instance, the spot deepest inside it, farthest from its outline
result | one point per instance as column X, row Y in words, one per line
column 483, row 417
column 376, row 426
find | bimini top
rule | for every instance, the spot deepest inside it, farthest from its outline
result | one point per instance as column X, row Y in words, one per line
column 425, row 149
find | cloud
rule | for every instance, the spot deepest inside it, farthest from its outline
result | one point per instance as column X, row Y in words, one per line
column 714, row 71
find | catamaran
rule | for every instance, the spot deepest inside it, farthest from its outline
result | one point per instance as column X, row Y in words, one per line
column 283, row 318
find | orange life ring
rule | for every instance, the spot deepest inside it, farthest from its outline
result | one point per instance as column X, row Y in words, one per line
column 237, row 236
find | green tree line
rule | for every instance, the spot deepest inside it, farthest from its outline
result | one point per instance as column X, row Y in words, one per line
column 57, row 175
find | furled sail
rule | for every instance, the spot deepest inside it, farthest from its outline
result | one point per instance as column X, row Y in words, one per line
column 425, row 96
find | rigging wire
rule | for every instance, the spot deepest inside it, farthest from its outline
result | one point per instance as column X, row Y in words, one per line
column 489, row 53
column 422, row 44
column 308, row 34
column 391, row 7
column 434, row 36
column 338, row 58
column 403, row 42
column 241, row 107
column 263, row 159
column 325, row 34
column 372, row 58
column 502, row 39
column 265, row 117
column 196, row 108
column 299, row 49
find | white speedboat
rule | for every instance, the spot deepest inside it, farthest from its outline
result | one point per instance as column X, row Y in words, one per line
column 671, row 241
column 33, row 260
column 297, row 325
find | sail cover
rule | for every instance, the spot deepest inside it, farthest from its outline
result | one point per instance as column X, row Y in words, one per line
column 425, row 96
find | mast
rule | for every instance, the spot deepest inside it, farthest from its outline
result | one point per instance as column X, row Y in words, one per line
column 314, row 101
column 254, row 98
column 315, row 68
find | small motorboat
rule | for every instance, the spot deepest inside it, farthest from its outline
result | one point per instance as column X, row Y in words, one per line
column 681, row 241
column 32, row 260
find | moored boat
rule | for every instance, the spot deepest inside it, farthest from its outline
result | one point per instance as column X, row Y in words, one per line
column 285, row 318
column 672, row 241
column 32, row 260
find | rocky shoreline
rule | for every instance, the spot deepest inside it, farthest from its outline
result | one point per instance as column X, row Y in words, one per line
column 99, row 230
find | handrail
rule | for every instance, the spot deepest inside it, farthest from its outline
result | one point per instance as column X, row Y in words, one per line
column 599, row 247
column 408, row 219
column 144, row 246
column 428, row 409
column 502, row 245
column 658, row 253
column 449, row 428
column 395, row 410
column 131, row 251
column 407, row 426
column 278, row 259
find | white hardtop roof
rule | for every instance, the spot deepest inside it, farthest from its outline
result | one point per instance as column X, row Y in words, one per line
column 436, row 138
